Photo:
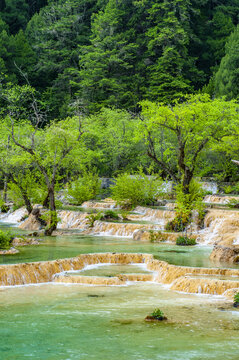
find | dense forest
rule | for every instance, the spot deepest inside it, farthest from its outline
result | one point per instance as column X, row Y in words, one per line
column 116, row 53
column 99, row 87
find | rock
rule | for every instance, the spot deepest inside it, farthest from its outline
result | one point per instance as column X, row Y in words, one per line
column 230, row 293
column 170, row 205
column 35, row 233
column 160, row 202
column 152, row 318
column 36, row 212
column 31, row 223
column 225, row 254
column 155, row 235
column 25, row 241
column 11, row 251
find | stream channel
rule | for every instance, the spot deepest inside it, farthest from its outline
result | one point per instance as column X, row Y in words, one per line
column 72, row 321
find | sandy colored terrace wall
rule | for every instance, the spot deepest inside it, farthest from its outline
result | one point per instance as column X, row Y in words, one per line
column 40, row 272
column 181, row 278
column 203, row 286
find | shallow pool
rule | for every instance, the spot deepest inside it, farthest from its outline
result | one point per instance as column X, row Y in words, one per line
column 59, row 322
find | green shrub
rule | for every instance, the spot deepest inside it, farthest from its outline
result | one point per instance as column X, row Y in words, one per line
column 5, row 240
column 49, row 216
column 109, row 214
column 178, row 224
column 83, row 189
column 155, row 235
column 132, row 190
column 228, row 189
column 233, row 204
column 185, row 204
column 185, row 241
column 236, row 299
column 157, row 314
column 4, row 208
column 124, row 214
column 91, row 218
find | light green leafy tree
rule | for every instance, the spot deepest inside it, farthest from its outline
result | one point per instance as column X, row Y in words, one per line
column 193, row 126
column 48, row 148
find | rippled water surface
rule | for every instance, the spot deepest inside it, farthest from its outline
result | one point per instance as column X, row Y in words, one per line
column 80, row 322
column 61, row 322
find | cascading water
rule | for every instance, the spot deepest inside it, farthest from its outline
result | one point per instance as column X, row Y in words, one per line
column 220, row 226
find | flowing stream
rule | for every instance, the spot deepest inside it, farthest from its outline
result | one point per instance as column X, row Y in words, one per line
column 63, row 321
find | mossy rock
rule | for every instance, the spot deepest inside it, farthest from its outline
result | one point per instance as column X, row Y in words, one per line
column 151, row 318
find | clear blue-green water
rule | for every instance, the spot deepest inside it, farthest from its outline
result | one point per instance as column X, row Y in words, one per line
column 60, row 247
column 71, row 322
column 107, row 323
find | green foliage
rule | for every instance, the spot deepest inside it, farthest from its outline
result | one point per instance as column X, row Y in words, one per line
column 84, row 188
column 5, row 239
column 124, row 214
column 185, row 204
column 185, row 241
column 112, row 131
column 226, row 79
column 158, row 314
column 114, row 53
column 137, row 189
column 177, row 135
column 228, row 189
column 155, row 235
column 236, row 298
column 91, row 218
column 15, row 195
column 109, row 215
column 233, row 203
column 4, row 208
column 31, row 185
column 231, row 189
column 50, row 218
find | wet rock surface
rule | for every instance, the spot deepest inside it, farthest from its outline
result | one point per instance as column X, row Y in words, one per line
column 25, row 241
column 10, row 251
column 225, row 254
column 155, row 319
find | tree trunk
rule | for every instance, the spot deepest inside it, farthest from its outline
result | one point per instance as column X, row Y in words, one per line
column 27, row 202
column 53, row 215
column 46, row 201
column 187, row 178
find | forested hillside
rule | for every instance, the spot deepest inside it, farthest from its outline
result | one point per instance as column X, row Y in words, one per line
column 119, row 52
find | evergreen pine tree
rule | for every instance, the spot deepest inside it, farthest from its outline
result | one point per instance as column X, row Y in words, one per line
column 227, row 77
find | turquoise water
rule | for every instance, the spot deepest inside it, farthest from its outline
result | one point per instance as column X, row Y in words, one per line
column 60, row 247
column 107, row 323
column 78, row 322
column 110, row 270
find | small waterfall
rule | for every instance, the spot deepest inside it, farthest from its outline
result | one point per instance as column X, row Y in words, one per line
column 160, row 217
column 106, row 204
column 222, row 200
column 120, row 229
column 203, row 285
column 220, row 226
column 180, row 278
column 45, row 271
column 14, row 217
column 209, row 186
column 72, row 220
